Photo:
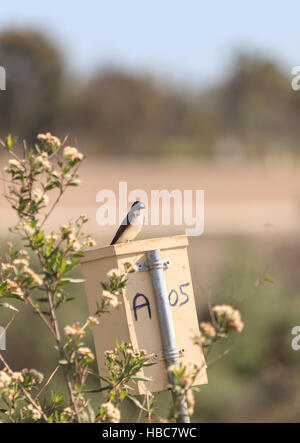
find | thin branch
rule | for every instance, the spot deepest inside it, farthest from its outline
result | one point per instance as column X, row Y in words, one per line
column 141, row 411
column 10, row 321
column 220, row 356
column 24, row 149
column 41, row 315
column 61, row 192
column 47, row 382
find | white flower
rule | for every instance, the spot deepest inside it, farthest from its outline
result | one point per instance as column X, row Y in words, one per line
column 38, row 195
column 17, row 377
column 35, row 413
column 37, row 376
column 223, row 310
column 74, row 330
column 14, row 288
column 110, row 354
column 190, row 400
column 24, row 253
column 93, row 320
column 76, row 181
column 68, row 412
column 43, row 159
column 50, row 237
column 233, row 316
column 10, row 394
column 71, row 153
column 110, row 299
column 86, row 352
column 172, row 368
column 5, row 380
column 112, row 413
column 7, row 267
column 26, row 227
column 35, row 277
column 89, row 243
column 130, row 352
column 67, row 230
column 21, row 262
column 84, row 218
column 55, row 173
column 208, row 329
column 15, row 164
column 75, row 245
column 50, row 139
column 114, row 273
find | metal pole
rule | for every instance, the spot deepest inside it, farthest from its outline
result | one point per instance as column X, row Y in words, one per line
column 171, row 352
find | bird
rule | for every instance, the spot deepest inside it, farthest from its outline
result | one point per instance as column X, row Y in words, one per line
column 131, row 225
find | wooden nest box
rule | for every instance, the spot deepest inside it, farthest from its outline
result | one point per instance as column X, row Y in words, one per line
column 136, row 319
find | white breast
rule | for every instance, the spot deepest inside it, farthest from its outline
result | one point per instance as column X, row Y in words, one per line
column 132, row 230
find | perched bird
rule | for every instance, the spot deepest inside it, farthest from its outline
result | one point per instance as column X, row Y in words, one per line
column 131, row 225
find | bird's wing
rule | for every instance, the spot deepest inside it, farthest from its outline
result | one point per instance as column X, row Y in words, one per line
column 121, row 229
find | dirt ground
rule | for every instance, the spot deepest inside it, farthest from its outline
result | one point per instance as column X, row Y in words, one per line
column 252, row 197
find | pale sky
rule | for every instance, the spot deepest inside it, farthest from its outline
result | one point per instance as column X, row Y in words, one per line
column 191, row 39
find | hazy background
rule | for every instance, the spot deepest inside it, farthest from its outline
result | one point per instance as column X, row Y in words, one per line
column 178, row 96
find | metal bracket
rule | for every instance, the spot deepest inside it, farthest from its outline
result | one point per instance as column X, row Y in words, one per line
column 155, row 357
column 143, row 266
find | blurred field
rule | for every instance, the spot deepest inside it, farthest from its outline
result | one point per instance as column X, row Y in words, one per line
column 251, row 227
column 250, row 197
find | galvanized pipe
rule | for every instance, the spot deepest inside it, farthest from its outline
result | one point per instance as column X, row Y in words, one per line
column 171, row 352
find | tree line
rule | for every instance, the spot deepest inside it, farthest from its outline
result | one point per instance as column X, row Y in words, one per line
column 252, row 111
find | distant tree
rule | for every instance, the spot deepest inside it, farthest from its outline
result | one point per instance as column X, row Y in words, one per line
column 254, row 102
column 253, row 109
column 128, row 112
column 33, row 67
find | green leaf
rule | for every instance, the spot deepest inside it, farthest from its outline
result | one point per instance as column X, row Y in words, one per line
column 269, row 279
column 123, row 395
column 51, row 186
column 8, row 306
column 100, row 377
column 70, row 266
column 91, row 412
column 3, row 287
column 9, row 295
column 11, row 141
column 39, row 237
column 136, row 402
column 78, row 254
column 94, row 391
column 62, row 266
column 140, row 377
column 149, row 363
column 73, row 280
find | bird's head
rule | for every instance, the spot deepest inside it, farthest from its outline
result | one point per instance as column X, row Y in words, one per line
column 137, row 207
